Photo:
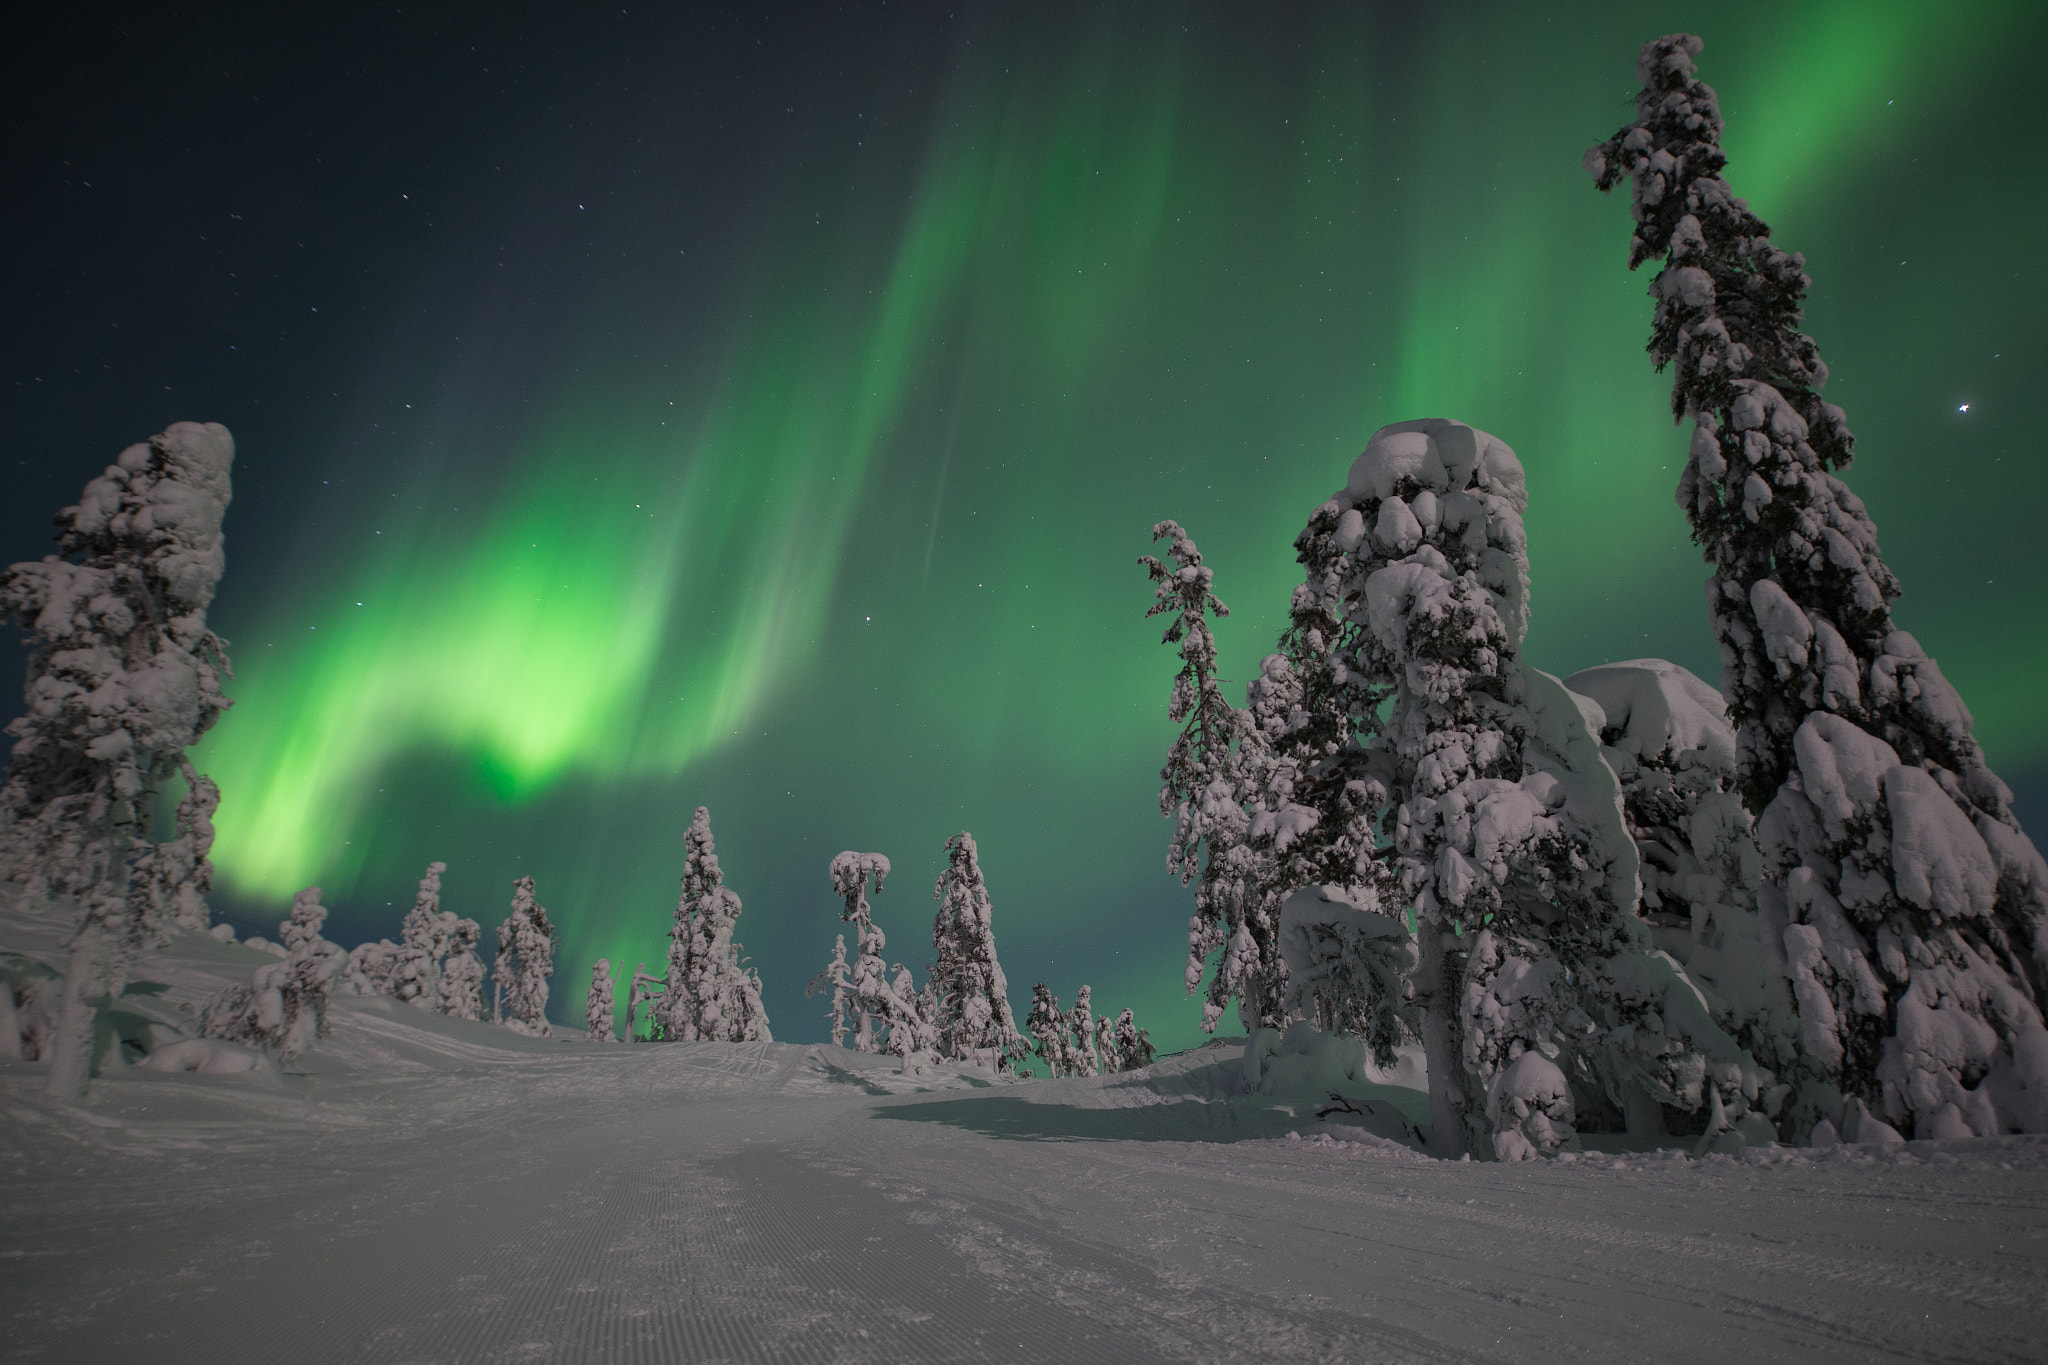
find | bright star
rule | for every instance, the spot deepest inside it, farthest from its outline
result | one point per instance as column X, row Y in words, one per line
column 1964, row 408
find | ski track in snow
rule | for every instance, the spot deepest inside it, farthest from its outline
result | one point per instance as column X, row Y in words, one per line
column 424, row 1189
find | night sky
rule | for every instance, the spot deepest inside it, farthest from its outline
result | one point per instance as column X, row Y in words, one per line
column 652, row 407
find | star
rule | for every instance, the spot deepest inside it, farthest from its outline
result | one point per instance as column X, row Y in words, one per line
column 1964, row 408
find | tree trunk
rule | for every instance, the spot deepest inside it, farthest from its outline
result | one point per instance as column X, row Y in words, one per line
column 71, row 1044
column 10, row 1024
column 1447, row 1137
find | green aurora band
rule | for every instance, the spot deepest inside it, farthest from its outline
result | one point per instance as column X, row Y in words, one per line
column 846, row 551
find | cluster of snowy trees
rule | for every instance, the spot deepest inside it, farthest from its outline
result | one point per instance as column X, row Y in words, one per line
column 708, row 993
column 1077, row 1043
column 434, row 965
column 124, row 677
column 962, row 1011
column 1802, row 911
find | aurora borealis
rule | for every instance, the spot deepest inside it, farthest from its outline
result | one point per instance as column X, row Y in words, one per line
column 645, row 410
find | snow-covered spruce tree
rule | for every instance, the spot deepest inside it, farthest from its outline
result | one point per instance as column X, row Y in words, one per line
column 911, row 1036
column 886, row 1018
column 875, row 1003
column 299, row 931
column 1539, row 995
column 123, row 678
column 1265, row 799
column 1106, row 1050
column 1912, row 909
column 597, row 1008
column 1133, row 1045
column 283, row 1009
column 459, row 993
column 1047, row 1024
column 1202, row 792
column 674, row 1014
column 416, row 971
column 971, row 995
column 1667, row 737
column 836, row 979
column 526, row 959
column 711, row 995
column 645, row 988
column 1081, row 1054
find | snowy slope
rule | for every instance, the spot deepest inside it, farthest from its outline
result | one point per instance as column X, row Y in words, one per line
column 418, row 1188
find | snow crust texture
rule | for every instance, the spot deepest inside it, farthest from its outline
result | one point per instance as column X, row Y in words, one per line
column 1911, row 910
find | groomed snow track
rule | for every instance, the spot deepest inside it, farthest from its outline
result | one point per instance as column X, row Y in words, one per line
column 422, row 1189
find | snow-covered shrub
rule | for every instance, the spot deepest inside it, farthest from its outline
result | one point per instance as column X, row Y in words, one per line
column 123, row 678
column 460, row 991
column 1348, row 964
column 1303, row 1060
column 971, row 996
column 711, row 994
column 1912, row 909
column 526, row 959
column 645, row 988
column 372, row 967
column 204, row 1056
column 911, row 1035
column 1530, row 1107
column 835, row 978
column 1505, row 823
column 1047, row 1024
column 283, row 1009
column 597, row 1008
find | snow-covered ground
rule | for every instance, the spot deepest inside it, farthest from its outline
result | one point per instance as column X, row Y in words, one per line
column 418, row 1188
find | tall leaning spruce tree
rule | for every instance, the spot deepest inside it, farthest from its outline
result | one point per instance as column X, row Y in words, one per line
column 1911, row 909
